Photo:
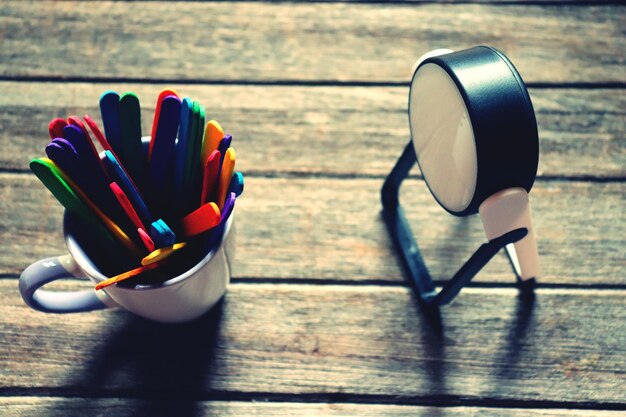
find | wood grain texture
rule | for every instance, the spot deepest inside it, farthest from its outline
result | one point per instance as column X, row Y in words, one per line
column 105, row 407
column 343, row 130
column 567, row 347
column 291, row 228
column 336, row 42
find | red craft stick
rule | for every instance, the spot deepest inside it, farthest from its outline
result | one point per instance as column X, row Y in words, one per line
column 210, row 174
column 55, row 128
column 98, row 133
column 200, row 220
column 145, row 238
column 126, row 205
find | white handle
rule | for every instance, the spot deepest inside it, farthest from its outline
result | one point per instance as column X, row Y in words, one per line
column 47, row 270
column 508, row 210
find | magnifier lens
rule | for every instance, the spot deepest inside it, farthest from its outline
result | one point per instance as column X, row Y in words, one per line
column 443, row 137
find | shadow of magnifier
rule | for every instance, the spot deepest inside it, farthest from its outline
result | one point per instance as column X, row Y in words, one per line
column 474, row 137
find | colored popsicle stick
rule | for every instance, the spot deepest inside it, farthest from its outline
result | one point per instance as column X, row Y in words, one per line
column 130, row 131
column 157, row 114
column 63, row 154
column 145, row 238
column 210, row 176
column 196, row 161
column 74, row 200
column 217, row 233
column 161, row 234
column 55, row 128
column 124, row 276
column 225, row 144
column 75, row 121
column 105, row 144
column 126, row 205
column 110, row 111
column 119, row 176
column 213, row 134
column 236, row 184
column 98, row 133
column 200, row 220
column 226, row 173
column 162, row 160
column 181, row 163
column 229, row 205
column 93, row 178
column 190, row 151
column 162, row 253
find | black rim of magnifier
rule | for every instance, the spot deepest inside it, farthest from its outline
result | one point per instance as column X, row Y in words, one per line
column 507, row 151
column 502, row 117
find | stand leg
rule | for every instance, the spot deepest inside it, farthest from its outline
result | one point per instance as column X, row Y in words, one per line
column 405, row 242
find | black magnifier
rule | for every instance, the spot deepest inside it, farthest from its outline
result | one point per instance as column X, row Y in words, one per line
column 474, row 137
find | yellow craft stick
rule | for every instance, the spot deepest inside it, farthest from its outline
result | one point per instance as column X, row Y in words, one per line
column 161, row 253
column 108, row 223
column 213, row 134
column 228, row 166
column 125, row 276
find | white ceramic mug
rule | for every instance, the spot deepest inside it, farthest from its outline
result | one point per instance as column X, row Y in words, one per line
column 182, row 298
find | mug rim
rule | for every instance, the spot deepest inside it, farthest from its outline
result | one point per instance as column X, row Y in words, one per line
column 86, row 265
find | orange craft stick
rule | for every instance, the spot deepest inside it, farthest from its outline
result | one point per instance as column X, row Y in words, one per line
column 228, row 166
column 213, row 134
column 157, row 114
column 125, row 276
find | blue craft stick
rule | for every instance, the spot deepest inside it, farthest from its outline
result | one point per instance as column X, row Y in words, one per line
column 130, row 134
column 223, row 146
column 216, row 234
column 184, row 133
column 63, row 154
column 188, row 182
column 163, row 151
column 75, row 136
column 161, row 234
column 117, row 173
column 86, row 170
column 110, row 112
column 236, row 184
column 229, row 204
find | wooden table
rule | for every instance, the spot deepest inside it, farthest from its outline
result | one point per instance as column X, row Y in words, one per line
column 319, row 319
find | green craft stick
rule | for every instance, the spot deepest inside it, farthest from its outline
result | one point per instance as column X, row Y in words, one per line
column 192, row 144
column 130, row 131
column 50, row 175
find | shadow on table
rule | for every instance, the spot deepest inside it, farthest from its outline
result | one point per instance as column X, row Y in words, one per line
column 167, row 367
column 516, row 348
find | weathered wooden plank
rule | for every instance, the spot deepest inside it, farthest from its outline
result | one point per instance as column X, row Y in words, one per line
column 104, row 407
column 331, row 229
column 345, row 130
column 352, row 341
column 302, row 42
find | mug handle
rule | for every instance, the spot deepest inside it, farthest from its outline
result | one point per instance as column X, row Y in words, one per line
column 47, row 270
